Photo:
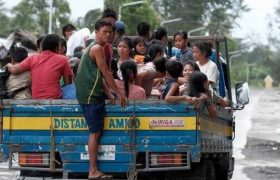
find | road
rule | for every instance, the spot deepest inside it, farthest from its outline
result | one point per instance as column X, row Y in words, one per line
column 256, row 144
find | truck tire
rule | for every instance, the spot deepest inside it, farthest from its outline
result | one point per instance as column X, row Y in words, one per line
column 222, row 169
column 221, row 173
column 202, row 171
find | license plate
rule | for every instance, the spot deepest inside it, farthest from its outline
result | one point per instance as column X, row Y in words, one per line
column 105, row 152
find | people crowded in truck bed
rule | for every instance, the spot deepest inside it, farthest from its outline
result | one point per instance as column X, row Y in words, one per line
column 51, row 68
column 87, row 67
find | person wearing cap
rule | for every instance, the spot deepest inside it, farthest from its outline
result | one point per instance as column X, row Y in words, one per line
column 120, row 30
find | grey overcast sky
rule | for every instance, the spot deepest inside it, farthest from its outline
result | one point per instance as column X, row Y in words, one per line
column 252, row 23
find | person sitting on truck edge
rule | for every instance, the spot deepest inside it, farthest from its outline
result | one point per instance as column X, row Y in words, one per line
column 189, row 68
column 46, row 69
column 127, row 86
column 171, row 87
column 18, row 86
column 199, row 88
column 90, row 87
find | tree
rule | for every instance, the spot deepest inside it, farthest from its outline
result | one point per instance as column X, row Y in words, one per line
column 4, row 21
column 190, row 12
column 132, row 15
column 218, row 16
column 272, row 61
column 274, row 25
column 33, row 15
column 221, row 15
column 91, row 17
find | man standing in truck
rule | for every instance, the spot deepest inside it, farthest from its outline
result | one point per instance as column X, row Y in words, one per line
column 90, row 86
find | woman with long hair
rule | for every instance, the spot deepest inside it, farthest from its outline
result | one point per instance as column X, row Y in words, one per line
column 126, row 85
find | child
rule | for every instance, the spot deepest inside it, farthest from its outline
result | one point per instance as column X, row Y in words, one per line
column 127, row 86
column 181, row 42
column 140, row 50
column 18, row 86
column 171, row 87
column 199, row 88
column 189, row 68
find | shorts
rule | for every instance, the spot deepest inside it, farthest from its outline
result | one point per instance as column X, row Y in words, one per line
column 94, row 115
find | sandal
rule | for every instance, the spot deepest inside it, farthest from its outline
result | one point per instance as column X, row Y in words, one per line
column 102, row 176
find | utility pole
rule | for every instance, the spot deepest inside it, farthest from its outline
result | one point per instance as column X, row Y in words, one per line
column 50, row 16
column 170, row 21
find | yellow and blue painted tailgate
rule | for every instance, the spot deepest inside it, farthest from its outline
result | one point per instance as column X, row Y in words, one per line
column 159, row 127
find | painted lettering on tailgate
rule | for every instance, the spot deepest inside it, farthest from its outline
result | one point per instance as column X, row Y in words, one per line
column 122, row 123
column 167, row 123
column 70, row 123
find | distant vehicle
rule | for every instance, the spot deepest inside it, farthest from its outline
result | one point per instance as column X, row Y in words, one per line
column 148, row 138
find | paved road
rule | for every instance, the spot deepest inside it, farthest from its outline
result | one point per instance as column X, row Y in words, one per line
column 6, row 174
column 257, row 143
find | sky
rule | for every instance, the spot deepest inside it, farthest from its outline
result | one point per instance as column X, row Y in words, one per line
column 251, row 23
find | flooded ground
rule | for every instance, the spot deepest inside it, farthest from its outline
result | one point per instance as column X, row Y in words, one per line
column 257, row 143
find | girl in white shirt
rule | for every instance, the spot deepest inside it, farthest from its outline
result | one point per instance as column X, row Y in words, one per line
column 201, row 52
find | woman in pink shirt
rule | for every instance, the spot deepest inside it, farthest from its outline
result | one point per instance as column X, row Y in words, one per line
column 127, row 86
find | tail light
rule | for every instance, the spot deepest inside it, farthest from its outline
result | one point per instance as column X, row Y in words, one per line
column 168, row 159
column 33, row 159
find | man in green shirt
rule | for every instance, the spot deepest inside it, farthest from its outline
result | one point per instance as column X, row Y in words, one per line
column 90, row 86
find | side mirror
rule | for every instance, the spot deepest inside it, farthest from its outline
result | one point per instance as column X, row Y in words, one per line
column 242, row 95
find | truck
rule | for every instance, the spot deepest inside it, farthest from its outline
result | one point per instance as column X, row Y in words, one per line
column 146, row 139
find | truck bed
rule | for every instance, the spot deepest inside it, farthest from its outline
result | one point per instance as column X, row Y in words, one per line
column 133, row 135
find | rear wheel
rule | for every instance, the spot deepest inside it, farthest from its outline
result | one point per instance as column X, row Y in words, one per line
column 223, row 168
column 205, row 170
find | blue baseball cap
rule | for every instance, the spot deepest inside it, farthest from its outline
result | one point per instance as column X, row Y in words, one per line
column 119, row 26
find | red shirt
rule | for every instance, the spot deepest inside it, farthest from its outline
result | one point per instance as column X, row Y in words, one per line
column 46, row 70
column 108, row 51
